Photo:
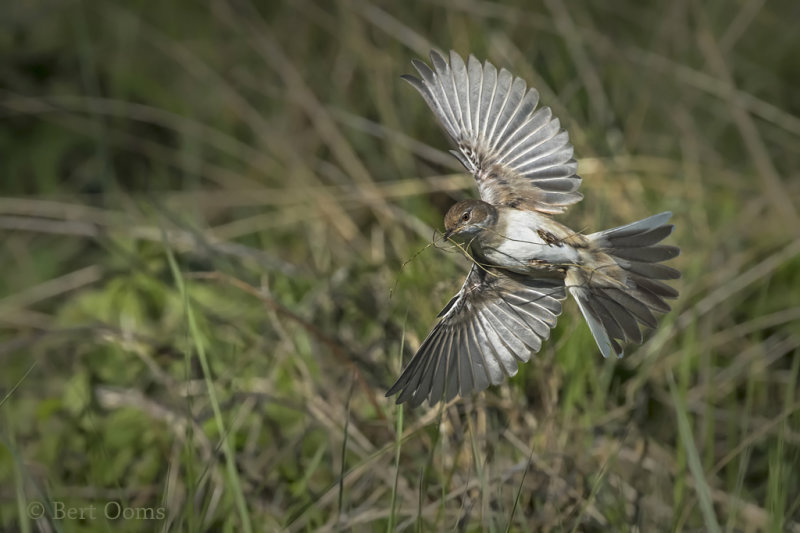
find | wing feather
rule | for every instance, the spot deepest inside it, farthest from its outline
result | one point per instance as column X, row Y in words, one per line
column 488, row 356
column 428, row 372
column 438, row 382
column 502, row 94
column 461, row 83
column 511, row 147
column 515, row 347
column 475, row 73
column 502, row 356
column 423, row 371
column 487, row 98
column 524, row 156
column 452, row 377
column 537, row 130
column 496, row 320
column 465, row 367
column 508, row 115
column 522, row 329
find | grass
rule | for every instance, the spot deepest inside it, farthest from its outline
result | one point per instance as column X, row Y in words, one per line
column 216, row 225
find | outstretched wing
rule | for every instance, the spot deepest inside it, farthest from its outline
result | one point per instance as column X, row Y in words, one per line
column 518, row 154
column 495, row 320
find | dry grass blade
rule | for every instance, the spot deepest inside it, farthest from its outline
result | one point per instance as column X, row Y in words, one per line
column 747, row 128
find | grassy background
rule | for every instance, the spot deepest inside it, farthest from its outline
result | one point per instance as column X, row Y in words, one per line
column 214, row 225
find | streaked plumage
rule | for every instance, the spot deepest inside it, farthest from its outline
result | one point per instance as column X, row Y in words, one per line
column 524, row 260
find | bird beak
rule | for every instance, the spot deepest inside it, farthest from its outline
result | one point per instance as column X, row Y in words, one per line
column 447, row 234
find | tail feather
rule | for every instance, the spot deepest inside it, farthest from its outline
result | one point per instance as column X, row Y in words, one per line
column 620, row 316
column 649, row 254
column 625, row 297
column 634, row 228
column 651, row 298
column 620, row 326
column 637, row 240
column 649, row 270
column 656, row 287
column 629, row 302
column 607, row 344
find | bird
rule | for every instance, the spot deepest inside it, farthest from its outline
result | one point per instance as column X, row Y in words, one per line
column 524, row 262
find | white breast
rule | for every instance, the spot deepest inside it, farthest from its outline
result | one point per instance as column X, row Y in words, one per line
column 519, row 245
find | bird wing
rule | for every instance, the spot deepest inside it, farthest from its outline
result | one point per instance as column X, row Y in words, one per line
column 518, row 155
column 495, row 320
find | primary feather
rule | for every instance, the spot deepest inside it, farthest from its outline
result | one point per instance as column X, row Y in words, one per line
column 495, row 321
column 518, row 155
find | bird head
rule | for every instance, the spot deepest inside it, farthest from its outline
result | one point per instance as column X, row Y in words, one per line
column 468, row 218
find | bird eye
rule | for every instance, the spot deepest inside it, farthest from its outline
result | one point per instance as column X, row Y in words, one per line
column 466, row 216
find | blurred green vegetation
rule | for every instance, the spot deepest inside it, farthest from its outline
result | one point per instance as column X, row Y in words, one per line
column 215, row 221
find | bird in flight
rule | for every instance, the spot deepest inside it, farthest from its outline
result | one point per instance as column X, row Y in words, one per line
column 524, row 262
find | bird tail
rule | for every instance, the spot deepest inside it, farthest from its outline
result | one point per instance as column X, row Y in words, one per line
column 618, row 287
